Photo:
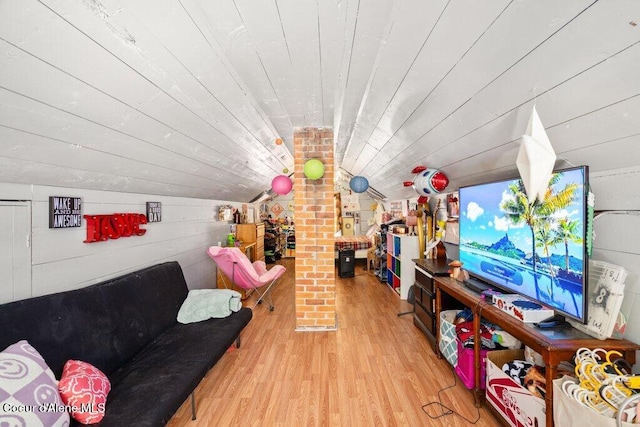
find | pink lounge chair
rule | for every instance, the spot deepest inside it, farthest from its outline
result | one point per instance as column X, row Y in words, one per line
column 254, row 277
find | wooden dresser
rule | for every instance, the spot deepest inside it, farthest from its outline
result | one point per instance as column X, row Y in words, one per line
column 252, row 233
column 426, row 272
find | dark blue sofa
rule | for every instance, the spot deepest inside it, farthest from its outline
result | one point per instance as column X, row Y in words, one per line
column 127, row 328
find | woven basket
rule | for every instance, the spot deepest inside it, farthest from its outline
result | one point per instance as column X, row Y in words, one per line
column 447, row 343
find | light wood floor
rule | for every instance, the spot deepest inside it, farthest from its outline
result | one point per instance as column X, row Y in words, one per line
column 377, row 369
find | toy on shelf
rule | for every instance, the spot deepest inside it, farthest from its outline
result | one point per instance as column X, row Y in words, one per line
column 456, row 266
column 412, row 221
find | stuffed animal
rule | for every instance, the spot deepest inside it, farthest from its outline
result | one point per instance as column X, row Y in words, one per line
column 535, row 381
column 412, row 221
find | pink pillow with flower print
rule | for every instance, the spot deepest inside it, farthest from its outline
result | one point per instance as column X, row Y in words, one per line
column 84, row 388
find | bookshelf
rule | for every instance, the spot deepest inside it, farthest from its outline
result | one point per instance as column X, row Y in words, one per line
column 402, row 249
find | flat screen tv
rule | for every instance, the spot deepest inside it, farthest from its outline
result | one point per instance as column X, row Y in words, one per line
column 537, row 249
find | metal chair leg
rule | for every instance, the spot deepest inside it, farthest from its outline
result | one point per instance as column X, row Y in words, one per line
column 264, row 294
column 407, row 312
column 411, row 299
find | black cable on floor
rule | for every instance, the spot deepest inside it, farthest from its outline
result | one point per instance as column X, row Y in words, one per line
column 445, row 410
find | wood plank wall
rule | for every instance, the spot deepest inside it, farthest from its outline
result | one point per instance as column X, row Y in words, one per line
column 617, row 235
column 61, row 261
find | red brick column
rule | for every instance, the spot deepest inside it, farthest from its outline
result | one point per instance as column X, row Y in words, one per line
column 314, row 211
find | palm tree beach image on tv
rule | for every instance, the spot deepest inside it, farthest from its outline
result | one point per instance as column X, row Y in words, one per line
column 538, row 249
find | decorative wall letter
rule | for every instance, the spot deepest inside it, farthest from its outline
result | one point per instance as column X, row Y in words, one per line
column 114, row 226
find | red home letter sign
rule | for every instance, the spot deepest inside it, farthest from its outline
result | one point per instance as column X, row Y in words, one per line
column 103, row 227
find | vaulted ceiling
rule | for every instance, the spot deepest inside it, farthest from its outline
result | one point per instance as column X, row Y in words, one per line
column 188, row 97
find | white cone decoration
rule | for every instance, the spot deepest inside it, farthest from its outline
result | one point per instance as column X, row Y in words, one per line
column 536, row 159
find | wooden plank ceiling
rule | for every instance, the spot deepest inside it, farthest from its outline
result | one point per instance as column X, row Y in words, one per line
column 188, row 97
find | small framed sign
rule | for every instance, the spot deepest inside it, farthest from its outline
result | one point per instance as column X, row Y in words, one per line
column 225, row 213
column 154, row 211
column 65, row 212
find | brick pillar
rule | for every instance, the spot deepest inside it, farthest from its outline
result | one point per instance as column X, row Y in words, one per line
column 315, row 276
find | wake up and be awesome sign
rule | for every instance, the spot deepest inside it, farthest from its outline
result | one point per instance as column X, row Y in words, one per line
column 65, row 212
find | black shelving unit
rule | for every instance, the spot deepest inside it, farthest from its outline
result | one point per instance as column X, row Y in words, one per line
column 274, row 247
column 381, row 254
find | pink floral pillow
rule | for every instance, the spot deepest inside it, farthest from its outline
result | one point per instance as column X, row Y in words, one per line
column 84, row 388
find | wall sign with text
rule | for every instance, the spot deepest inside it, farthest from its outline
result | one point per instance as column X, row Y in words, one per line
column 154, row 211
column 114, row 226
column 65, row 212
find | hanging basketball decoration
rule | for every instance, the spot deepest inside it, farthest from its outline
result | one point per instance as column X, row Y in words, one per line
column 359, row 184
column 281, row 185
column 427, row 182
column 313, row 169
